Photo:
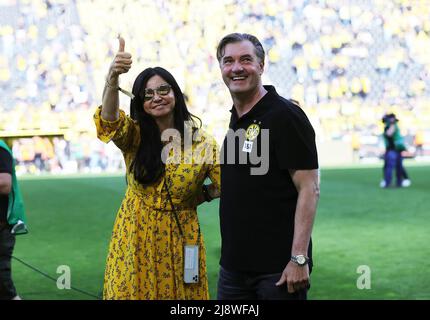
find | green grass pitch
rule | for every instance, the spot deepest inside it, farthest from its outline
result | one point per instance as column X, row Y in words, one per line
column 357, row 224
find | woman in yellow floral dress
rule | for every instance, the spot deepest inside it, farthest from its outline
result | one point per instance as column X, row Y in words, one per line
column 165, row 183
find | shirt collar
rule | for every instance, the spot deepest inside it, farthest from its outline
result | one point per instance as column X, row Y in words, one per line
column 259, row 107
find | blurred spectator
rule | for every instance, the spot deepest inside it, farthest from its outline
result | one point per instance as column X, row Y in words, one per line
column 393, row 159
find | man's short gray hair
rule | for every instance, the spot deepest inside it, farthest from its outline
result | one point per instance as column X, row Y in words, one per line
column 238, row 37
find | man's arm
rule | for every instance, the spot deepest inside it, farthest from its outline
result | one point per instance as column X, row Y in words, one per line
column 5, row 183
column 307, row 185
column 390, row 131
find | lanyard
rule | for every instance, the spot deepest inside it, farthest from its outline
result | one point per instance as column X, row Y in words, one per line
column 176, row 215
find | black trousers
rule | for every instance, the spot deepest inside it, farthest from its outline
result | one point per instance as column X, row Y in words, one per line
column 7, row 243
column 250, row 286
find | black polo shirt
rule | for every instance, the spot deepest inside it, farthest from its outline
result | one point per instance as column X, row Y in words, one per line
column 5, row 167
column 257, row 211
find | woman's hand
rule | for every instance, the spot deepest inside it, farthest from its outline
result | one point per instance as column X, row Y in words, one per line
column 213, row 194
column 120, row 64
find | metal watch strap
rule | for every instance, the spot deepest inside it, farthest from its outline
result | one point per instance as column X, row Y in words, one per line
column 295, row 259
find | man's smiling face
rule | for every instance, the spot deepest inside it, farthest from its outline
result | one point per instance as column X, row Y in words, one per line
column 241, row 69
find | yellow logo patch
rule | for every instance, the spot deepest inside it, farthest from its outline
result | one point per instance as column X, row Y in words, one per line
column 252, row 132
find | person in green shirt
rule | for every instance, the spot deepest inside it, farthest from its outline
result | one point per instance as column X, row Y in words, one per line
column 393, row 159
column 12, row 220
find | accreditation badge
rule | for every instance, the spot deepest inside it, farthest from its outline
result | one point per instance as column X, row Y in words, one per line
column 247, row 146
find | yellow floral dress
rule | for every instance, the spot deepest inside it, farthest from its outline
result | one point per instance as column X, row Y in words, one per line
column 145, row 258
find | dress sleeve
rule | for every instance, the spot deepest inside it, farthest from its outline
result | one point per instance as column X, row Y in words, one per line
column 124, row 132
column 214, row 172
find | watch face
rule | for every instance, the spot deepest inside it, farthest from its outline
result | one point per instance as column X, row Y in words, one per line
column 301, row 260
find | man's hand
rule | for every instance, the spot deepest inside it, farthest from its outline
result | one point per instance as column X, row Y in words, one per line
column 120, row 64
column 296, row 277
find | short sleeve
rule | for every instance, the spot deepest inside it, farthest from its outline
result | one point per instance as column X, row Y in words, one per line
column 294, row 140
column 6, row 161
column 124, row 132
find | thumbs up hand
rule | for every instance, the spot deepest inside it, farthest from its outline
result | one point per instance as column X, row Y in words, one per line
column 121, row 63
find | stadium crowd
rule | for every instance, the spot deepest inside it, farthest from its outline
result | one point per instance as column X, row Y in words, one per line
column 347, row 63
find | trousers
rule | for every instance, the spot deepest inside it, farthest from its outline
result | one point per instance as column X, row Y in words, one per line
column 7, row 244
column 234, row 285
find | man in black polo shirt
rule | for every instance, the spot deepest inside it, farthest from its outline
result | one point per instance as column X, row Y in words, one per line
column 269, row 183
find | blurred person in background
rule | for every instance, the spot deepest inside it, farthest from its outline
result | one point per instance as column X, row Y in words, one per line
column 393, row 159
column 12, row 220
column 158, row 215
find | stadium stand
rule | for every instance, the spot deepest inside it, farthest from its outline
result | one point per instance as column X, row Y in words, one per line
column 346, row 62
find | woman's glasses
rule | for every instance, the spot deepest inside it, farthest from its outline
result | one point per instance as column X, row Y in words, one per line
column 162, row 90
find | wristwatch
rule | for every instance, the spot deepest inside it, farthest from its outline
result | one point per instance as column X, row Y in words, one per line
column 300, row 260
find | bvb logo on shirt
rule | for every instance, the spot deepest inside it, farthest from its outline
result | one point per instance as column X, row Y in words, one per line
column 252, row 131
